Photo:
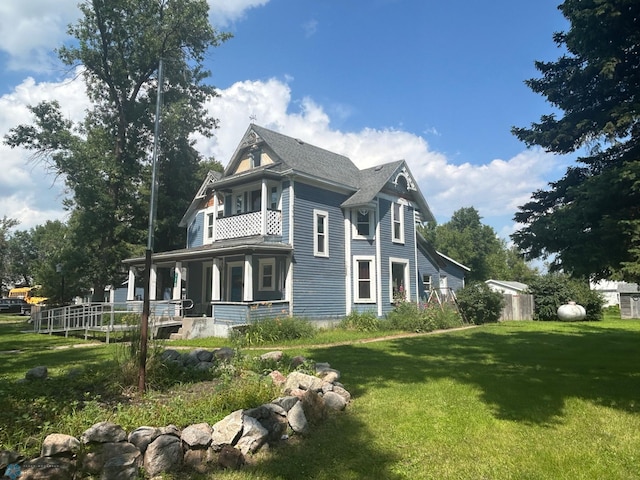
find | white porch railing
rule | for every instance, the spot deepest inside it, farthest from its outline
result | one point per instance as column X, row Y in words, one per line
column 105, row 317
column 247, row 225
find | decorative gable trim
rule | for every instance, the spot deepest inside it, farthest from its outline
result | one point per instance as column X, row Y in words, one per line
column 252, row 139
column 248, row 150
column 211, row 177
column 404, row 173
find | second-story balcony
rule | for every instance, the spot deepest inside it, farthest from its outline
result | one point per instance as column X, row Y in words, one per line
column 248, row 224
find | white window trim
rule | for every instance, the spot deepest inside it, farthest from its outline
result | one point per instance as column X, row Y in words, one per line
column 264, row 262
column 400, row 220
column 356, row 280
column 427, row 286
column 407, row 279
column 208, row 227
column 354, row 222
column 443, row 282
column 316, row 215
column 209, row 216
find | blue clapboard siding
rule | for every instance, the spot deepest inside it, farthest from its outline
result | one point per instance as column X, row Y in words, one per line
column 426, row 266
column 242, row 314
column 363, row 247
column 120, row 294
column 365, row 308
column 235, row 314
column 286, row 206
column 388, row 249
column 455, row 276
column 318, row 282
column 410, row 247
column 266, row 311
column 195, row 233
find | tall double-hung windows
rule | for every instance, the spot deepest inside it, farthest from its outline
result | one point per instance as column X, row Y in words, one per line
column 210, row 225
column 398, row 280
column 320, row 233
column 426, row 283
column 267, row 274
column 397, row 222
column 364, row 279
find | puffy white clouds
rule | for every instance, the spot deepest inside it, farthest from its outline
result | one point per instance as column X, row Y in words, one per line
column 495, row 189
column 70, row 93
column 222, row 13
column 499, row 186
column 29, row 191
column 32, row 29
column 239, row 105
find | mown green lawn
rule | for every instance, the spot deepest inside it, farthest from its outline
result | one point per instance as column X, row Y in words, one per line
column 21, row 350
column 517, row 400
column 520, row 400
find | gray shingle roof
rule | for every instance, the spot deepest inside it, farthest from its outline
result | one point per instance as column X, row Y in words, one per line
column 256, row 243
column 309, row 159
column 371, row 182
column 301, row 158
column 317, row 162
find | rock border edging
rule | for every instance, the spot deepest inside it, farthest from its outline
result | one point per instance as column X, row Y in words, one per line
column 106, row 450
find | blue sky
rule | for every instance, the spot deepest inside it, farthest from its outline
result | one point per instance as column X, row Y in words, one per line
column 436, row 83
column 451, row 71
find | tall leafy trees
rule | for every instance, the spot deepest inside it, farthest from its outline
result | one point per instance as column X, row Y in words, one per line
column 57, row 266
column 6, row 224
column 46, row 256
column 509, row 264
column 105, row 159
column 467, row 240
column 589, row 220
column 21, row 258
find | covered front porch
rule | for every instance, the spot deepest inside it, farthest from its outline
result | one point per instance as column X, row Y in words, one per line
column 226, row 283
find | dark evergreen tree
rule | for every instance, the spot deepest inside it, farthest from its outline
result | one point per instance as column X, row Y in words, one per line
column 588, row 222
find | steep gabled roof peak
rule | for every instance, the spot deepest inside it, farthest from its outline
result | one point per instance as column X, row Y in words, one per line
column 298, row 157
column 295, row 156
